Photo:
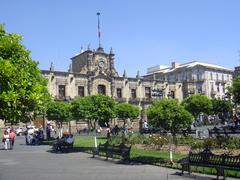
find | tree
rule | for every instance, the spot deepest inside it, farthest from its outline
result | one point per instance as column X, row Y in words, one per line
column 127, row 111
column 95, row 109
column 235, row 90
column 197, row 104
column 221, row 108
column 169, row 115
column 81, row 109
column 59, row 111
column 23, row 90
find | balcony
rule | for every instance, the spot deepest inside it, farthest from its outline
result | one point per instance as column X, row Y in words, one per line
column 191, row 91
column 134, row 100
column 213, row 92
column 62, row 98
column 147, row 100
column 122, row 99
column 201, row 80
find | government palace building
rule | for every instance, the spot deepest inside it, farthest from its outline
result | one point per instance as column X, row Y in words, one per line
column 93, row 72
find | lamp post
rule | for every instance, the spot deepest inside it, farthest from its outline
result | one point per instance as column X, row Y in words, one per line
column 68, row 99
column 170, row 147
column 95, row 139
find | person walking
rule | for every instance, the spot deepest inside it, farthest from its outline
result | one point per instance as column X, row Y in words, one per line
column 12, row 137
column 5, row 139
column 48, row 131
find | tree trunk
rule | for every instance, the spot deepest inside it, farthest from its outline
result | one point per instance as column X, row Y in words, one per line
column 88, row 125
column 69, row 127
column 61, row 130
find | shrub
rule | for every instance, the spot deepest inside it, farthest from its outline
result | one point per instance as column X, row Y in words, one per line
column 197, row 146
column 158, row 141
column 209, row 143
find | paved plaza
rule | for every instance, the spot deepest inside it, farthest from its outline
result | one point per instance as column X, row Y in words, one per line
column 39, row 163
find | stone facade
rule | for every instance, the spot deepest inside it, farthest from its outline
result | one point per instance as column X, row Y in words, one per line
column 93, row 72
column 196, row 77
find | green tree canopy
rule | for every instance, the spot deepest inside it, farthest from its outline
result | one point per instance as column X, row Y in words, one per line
column 197, row 104
column 96, row 109
column 23, row 90
column 125, row 111
column 82, row 108
column 235, row 89
column 169, row 115
column 59, row 111
column 221, row 106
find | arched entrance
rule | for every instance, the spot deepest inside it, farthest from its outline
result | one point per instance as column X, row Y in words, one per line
column 102, row 89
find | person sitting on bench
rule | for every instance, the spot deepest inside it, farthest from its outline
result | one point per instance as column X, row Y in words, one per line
column 66, row 139
column 69, row 139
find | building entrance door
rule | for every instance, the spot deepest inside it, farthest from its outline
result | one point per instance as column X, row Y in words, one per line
column 101, row 89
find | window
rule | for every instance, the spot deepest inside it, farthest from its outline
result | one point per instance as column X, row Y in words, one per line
column 133, row 93
column 212, row 87
column 147, row 92
column 81, row 91
column 119, row 92
column 101, row 89
column 211, row 76
column 198, row 76
column 217, row 77
column 199, row 88
column 173, row 94
column 61, row 91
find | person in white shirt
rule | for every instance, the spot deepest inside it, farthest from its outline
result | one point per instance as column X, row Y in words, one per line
column 5, row 140
column 70, row 139
column 145, row 125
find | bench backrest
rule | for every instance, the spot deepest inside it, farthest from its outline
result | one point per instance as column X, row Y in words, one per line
column 208, row 158
column 116, row 148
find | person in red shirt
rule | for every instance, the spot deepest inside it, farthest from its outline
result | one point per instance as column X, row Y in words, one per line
column 12, row 137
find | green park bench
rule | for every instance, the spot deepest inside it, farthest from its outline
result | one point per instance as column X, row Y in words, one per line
column 207, row 159
column 112, row 151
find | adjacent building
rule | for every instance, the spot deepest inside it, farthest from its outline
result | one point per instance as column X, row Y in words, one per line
column 236, row 71
column 196, row 77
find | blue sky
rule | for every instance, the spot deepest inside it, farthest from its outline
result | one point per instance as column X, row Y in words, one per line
column 142, row 33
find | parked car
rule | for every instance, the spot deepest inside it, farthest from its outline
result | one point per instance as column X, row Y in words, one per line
column 20, row 131
column 32, row 127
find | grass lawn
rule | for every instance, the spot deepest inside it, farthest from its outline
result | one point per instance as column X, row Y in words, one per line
column 154, row 157
column 84, row 141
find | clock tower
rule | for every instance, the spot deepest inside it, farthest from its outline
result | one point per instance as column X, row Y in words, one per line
column 91, row 62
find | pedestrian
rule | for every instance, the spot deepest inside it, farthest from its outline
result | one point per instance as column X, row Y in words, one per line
column 5, row 139
column 12, row 137
column 108, row 130
column 125, row 128
column 48, row 131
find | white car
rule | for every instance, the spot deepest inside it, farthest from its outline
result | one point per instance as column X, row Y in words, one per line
column 19, row 131
column 32, row 127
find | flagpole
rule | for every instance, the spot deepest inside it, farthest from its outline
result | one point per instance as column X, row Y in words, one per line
column 99, row 32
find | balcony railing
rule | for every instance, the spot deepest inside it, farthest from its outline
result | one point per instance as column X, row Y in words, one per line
column 147, row 100
column 122, row 99
column 63, row 98
column 191, row 91
column 134, row 100
column 213, row 92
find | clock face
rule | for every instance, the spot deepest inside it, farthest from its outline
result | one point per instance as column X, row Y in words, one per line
column 101, row 63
